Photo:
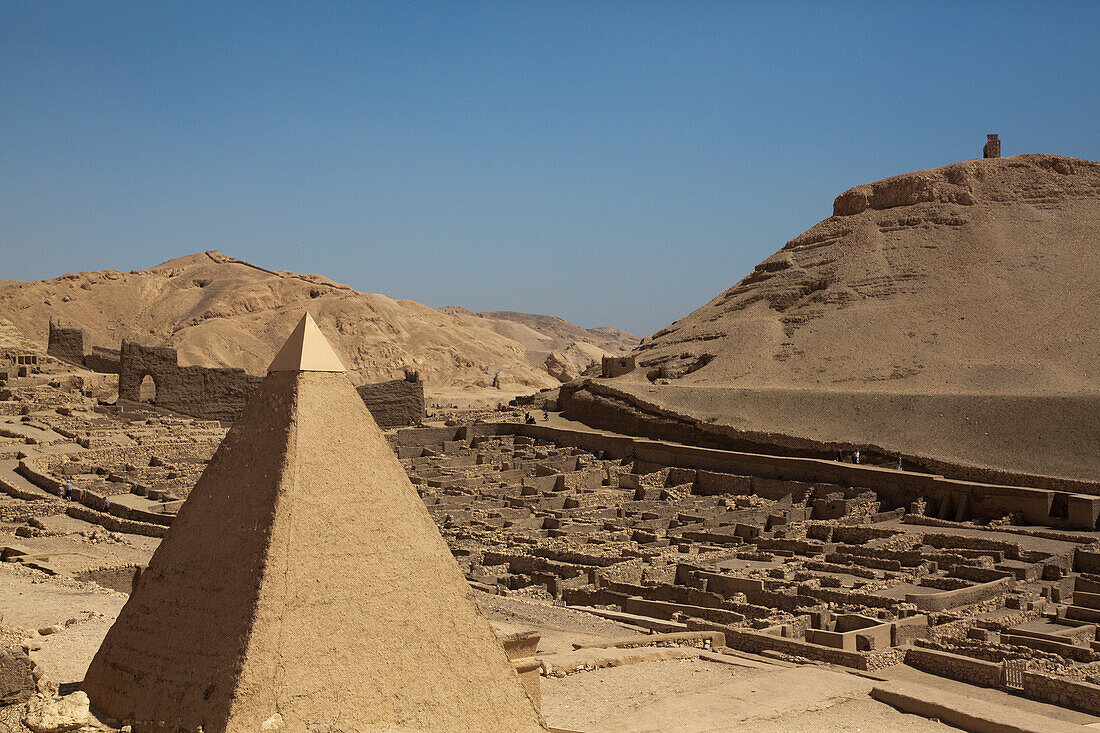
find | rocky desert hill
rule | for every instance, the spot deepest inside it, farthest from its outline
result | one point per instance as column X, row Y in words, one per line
column 562, row 349
column 219, row 311
column 952, row 313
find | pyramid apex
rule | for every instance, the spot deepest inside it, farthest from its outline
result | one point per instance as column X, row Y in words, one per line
column 306, row 350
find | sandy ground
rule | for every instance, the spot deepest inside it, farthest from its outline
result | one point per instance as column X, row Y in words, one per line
column 696, row 697
column 672, row 696
column 559, row 626
column 32, row 601
column 678, row 696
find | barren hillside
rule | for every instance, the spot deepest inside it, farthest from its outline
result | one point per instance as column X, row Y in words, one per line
column 978, row 280
column 552, row 344
column 218, row 311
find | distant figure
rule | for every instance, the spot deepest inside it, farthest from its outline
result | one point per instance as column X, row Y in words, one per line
column 545, row 415
column 107, row 505
column 529, row 419
column 67, row 492
column 839, row 457
column 855, row 458
column 899, row 463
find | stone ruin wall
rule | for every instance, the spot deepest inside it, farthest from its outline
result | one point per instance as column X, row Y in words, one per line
column 218, row 393
column 66, row 344
column 396, row 404
column 1061, row 691
column 616, row 366
column 207, row 393
column 716, row 470
column 103, row 361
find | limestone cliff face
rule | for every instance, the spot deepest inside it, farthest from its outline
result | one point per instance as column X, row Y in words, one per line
column 982, row 276
column 219, row 311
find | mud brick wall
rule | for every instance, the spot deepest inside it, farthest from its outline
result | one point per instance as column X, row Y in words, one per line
column 907, row 630
column 960, row 597
column 1086, row 561
column 104, row 361
column 615, row 366
column 202, row 392
column 956, row 667
column 66, row 344
column 1058, row 691
column 395, row 404
column 214, row 393
column 115, row 524
column 756, row 642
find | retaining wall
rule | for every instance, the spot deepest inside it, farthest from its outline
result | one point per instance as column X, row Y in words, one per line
column 959, row 597
column 1059, row 691
column 600, row 404
column 756, row 642
column 956, row 667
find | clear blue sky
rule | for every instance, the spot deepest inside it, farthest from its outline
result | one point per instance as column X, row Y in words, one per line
column 615, row 163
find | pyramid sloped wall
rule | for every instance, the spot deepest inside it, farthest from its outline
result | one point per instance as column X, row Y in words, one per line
column 179, row 640
column 355, row 617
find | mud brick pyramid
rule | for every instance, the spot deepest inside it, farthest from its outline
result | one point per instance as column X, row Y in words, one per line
column 303, row 586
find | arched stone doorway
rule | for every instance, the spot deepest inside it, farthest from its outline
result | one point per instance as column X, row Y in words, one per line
column 147, row 392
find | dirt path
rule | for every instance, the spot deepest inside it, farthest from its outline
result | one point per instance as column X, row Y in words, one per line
column 701, row 697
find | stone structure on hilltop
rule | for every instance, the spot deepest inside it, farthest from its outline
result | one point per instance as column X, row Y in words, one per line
column 992, row 147
column 259, row 612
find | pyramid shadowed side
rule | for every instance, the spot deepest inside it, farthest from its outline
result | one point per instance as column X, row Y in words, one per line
column 175, row 650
